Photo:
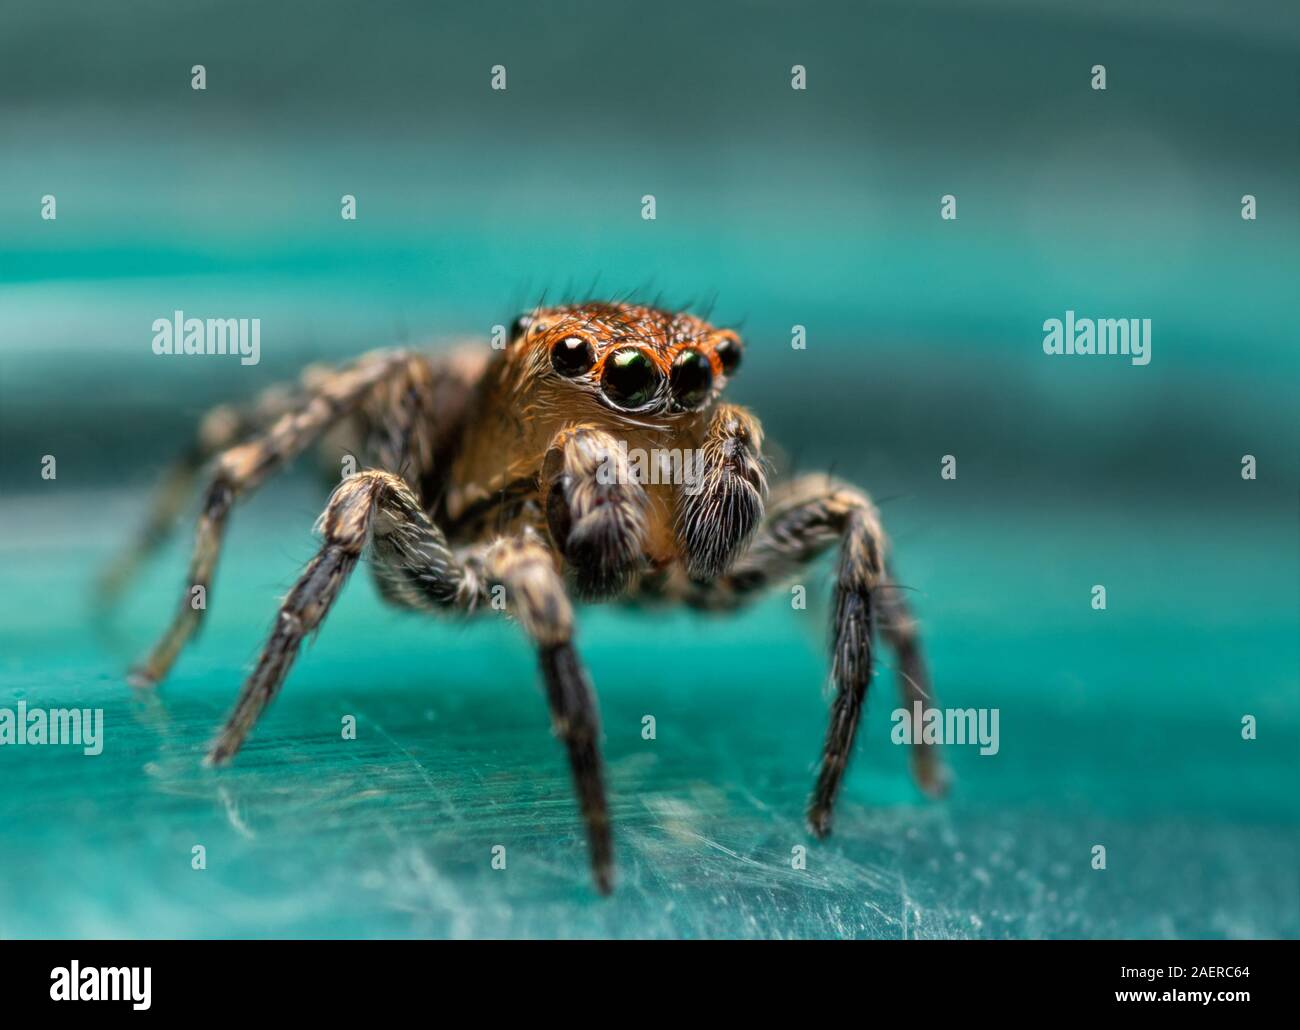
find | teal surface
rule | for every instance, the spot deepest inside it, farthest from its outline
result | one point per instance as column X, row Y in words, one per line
column 1119, row 728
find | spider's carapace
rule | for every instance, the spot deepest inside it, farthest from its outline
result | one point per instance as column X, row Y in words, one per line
column 648, row 378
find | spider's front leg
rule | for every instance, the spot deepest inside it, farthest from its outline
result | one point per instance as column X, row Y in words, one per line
column 595, row 510
column 526, row 567
column 809, row 516
column 813, row 515
column 413, row 552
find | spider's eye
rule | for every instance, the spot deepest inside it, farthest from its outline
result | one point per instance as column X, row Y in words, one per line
column 728, row 351
column 630, row 378
column 573, row 356
column 691, row 379
column 520, row 326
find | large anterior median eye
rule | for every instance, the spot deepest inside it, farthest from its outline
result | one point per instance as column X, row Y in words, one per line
column 691, row 379
column 573, row 356
column 630, row 378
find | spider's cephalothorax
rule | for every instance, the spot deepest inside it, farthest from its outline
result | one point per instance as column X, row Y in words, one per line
column 591, row 455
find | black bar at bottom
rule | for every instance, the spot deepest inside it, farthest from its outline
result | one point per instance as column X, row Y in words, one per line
column 304, row 979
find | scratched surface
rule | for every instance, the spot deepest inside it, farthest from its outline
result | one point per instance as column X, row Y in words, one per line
column 1124, row 734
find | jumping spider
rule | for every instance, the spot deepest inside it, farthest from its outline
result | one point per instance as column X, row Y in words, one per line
column 508, row 468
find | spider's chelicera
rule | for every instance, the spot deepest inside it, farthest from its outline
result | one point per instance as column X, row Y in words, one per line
column 492, row 468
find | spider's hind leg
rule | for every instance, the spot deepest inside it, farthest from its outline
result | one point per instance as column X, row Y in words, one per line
column 220, row 428
column 898, row 627
column 241, row 469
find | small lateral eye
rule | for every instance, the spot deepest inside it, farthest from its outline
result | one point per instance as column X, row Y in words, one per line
column 728, row 351
column 630, row 378
column 520, row 326
column 691, row 379
column 572, row 356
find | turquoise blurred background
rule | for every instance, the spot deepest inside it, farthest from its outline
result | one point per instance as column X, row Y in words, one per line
column 778, row 208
